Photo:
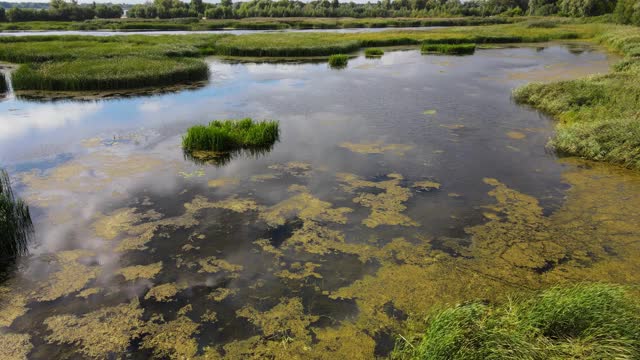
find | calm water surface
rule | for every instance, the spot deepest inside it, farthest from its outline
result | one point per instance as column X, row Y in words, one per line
column 398, row 183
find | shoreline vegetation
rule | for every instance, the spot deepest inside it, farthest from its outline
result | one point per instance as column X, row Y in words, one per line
column 449, row 49
column 584, row 321
column 15, row 222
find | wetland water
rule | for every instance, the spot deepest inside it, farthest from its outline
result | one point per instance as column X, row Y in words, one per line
column 398, row 184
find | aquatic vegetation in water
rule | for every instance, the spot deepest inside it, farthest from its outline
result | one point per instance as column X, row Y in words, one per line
column 263, row 177
column 213, row 265
column 221, row 294
column 197, row 173
column 373, row 52
column 377, row 148
column 15, row 221
column 229, row 135
column 426, row 185
column 429, row 112
column 585, row 321
column 516, row 135
column 88, row 292
column 171, row 339
column 15, row 346
column 338, row 61
column 294, row 168
column 387, row 206
column 223, row 182
column 12, row 306
column 140, row 271
column 162, row 292
column 70, row 277
column 449, row 49
column 298, row 271
column 99, row 334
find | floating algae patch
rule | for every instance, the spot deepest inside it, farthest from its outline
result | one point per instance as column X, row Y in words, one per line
column 429, row 112
column 263, row 177
column 299, row 271
column 70, row 277
column 516, row 135
column 387, row 206
column 101, row 334
column 426, row 185
column 195, row 173
column 162, row 293
column 209, row 316
column 14, row 346
column 221, row 294
column 171, row 339
column 377, row 148
column 223, row 182
column 88, row 292
column 214, row 265
column 141, row 271
column 295, row 168
column 12, row 306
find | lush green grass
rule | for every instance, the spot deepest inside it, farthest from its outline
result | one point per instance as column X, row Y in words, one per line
column 598, row 116
column 15, row 221
column 373, row 52
column 118, row 73
column 449, row 49
column 586, row 321
column 230, row 135
column 338, row 61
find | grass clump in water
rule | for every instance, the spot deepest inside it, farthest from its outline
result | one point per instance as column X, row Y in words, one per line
column 16, row 227
column 449, row 49
column 338, row 61
column 586, row 321
column 117, row 73
column 373, row 52
column 230, row 135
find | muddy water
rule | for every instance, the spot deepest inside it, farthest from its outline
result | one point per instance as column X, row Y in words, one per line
column 398, row 184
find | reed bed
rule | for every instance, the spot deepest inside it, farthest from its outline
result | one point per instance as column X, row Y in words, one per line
column 16, row 227
column 585, row 321
column 373, row 52
column 117, row 73
column 449, row 49
column 229, row 135
column 338, row 61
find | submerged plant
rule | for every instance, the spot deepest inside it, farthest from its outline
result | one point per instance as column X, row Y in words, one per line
column 449, row 49
column 15, row 221
column 231, row 135
column 585, row 321
column 373, row 52
column 338, row 61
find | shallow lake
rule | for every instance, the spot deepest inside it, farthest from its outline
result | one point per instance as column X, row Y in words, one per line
column 398, row 184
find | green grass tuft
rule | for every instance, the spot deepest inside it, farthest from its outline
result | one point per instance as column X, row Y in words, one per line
column 449, row 49
column 15, row 221
column 338, row 61
column 231, row 135
column 585, row 321
column 373, row 52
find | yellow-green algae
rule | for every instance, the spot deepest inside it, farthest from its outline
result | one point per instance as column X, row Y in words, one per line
column 299, row 271
column 387, row 206
column 426, row 185
column 88, row 292
column 14, row 346
column 223, row 182
column 209, row 316
column 516, row 135
column 71, row 276
column 377, row 148
column 295, row 168
column 162, row 292
column 263, row 177
column 12, row 306
column 172, row 339
column 213, row 265
column 220, row 294
column 140, row 271
column 99, row 334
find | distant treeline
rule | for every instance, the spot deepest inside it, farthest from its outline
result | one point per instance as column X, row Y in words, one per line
column 627, row 11
column 59, row 10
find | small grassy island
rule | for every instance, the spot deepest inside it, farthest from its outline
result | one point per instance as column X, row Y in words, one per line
column 373, row 52
column 449, row 49
column 15, row 222
column 338, row 61
column 231, row 135
column 585, row 321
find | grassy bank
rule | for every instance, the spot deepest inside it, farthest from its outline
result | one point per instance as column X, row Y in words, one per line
column 15, row 221
column 593, row 321
column 598, row 116
column 230, row 135
column 449, row 49
column 193, row 24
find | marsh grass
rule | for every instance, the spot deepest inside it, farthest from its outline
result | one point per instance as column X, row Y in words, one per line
column 373, row 52
column 338, row 61
column 118, row 73
column 3, row 83
column 598, row 115
column 16, row 227
column 449, row 49
column 585, row 321
column 231, row 135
